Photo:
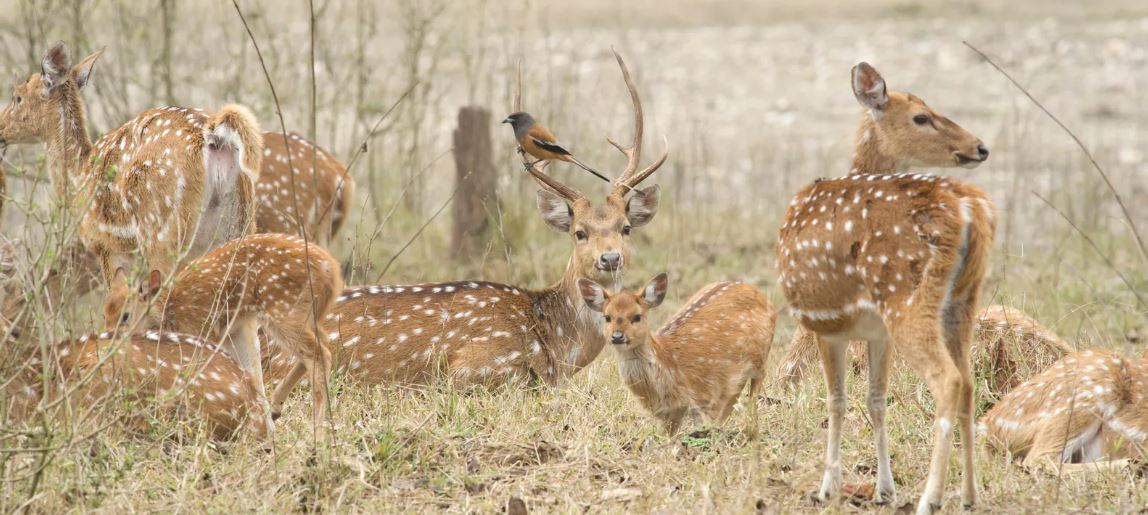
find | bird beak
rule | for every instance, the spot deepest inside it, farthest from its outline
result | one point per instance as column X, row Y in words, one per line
column 508, row 120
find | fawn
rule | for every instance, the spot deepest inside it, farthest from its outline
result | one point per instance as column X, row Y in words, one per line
column 177, row 372
column 699, row 361
column 274, row 282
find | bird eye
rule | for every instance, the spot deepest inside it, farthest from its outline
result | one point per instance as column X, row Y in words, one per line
column 580, row 235
column 921, row 119
column 636, row 319
column 626, row 230
column 607, row 318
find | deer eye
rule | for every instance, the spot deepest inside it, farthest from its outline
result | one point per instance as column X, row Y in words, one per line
column 626, row 230
column 19, row 99
column 607, row 318
column 921, row 119
column 125, row 318
column 636, row 319
column 580, row 235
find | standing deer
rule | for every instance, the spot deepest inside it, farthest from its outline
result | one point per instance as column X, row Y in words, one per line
column 699, row 361
column 175, row 371
column 172, row 182
column 483, row 332
column 323, row 188
column 895, row 259
column 274, row 282
column 914, row 136
column 1086, row 412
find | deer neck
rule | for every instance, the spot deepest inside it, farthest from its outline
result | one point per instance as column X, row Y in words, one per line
column 574, row 331
column 68, row 148
column 645, row 370
column 869, row 157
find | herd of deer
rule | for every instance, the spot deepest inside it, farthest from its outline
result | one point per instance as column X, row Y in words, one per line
column 197, row 210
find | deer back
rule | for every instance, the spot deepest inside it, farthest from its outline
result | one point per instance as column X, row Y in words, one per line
column 322, row 186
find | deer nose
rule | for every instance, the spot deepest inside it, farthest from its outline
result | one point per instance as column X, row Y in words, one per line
column 982, row 151
column 609, row 261
column 617, row 337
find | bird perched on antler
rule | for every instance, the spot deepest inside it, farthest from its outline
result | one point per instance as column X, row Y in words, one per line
column 538, row 141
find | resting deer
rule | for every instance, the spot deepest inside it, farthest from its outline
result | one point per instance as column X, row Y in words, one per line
column 489, row 333
column 1087, row 412
column 895, row 259
column 916, row 136
column 170, row 183
column 178, row 372
column 699, row 361
column 274, row 282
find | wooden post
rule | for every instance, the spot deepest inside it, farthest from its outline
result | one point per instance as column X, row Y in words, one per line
column 475, row 175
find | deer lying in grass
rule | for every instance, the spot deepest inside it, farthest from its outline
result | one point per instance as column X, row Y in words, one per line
column 175, row 372
column 894, row 259
column 699, row 361
column 1089, row 411
column 274, row 282
column 324, row 189
column 478, row 332
column 167, row 185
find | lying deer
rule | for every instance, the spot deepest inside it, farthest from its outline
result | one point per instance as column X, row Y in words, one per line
column 699, row 361
column 273, row 282
column 478, row 332
column 175, row 372
column 1089, row 411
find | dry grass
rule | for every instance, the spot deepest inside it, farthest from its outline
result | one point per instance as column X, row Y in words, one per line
column 753, row 97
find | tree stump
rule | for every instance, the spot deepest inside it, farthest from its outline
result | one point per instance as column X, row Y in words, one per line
column 476, row 179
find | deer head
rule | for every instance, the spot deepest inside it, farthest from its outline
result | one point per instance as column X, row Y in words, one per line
column 122, row 309
column 905, row 128
column 34, row 113
column 627, row 325
column 601, row 233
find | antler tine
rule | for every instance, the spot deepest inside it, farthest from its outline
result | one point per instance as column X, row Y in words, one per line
column 631, row 176
column 535, row 169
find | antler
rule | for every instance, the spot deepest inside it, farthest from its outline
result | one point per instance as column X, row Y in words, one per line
column 631, row 177
column 536, row 169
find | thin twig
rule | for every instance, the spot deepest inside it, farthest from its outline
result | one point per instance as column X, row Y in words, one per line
column 294, row 190
column 1080, row 144
column 362, row 149
column 1096, row 249
column 417, row 233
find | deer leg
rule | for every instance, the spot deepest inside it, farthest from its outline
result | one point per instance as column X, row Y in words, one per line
column 284, row 388
column 243, row 340
column 298, row 337
column 920, row 344
column 878, row 383
column 958, row 331
column 833, row 365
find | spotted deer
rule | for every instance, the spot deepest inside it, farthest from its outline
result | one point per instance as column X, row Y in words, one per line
column 479, row 332
column 908, row 133
column 323, row 187
column 177, row 373
column 895, row 258
column 1089, row 411
column 697, row 363
column 169, row 184
column 274, row 282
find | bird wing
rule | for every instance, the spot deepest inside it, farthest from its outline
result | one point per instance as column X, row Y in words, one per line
column 546, row 141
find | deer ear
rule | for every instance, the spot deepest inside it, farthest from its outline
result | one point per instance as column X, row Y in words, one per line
column 643, row 205
column 593, row 293
column 555, row 211
column 54, row 66
column 83, row 71
column 151, row 286
column 869, row 87
column 655, row 291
